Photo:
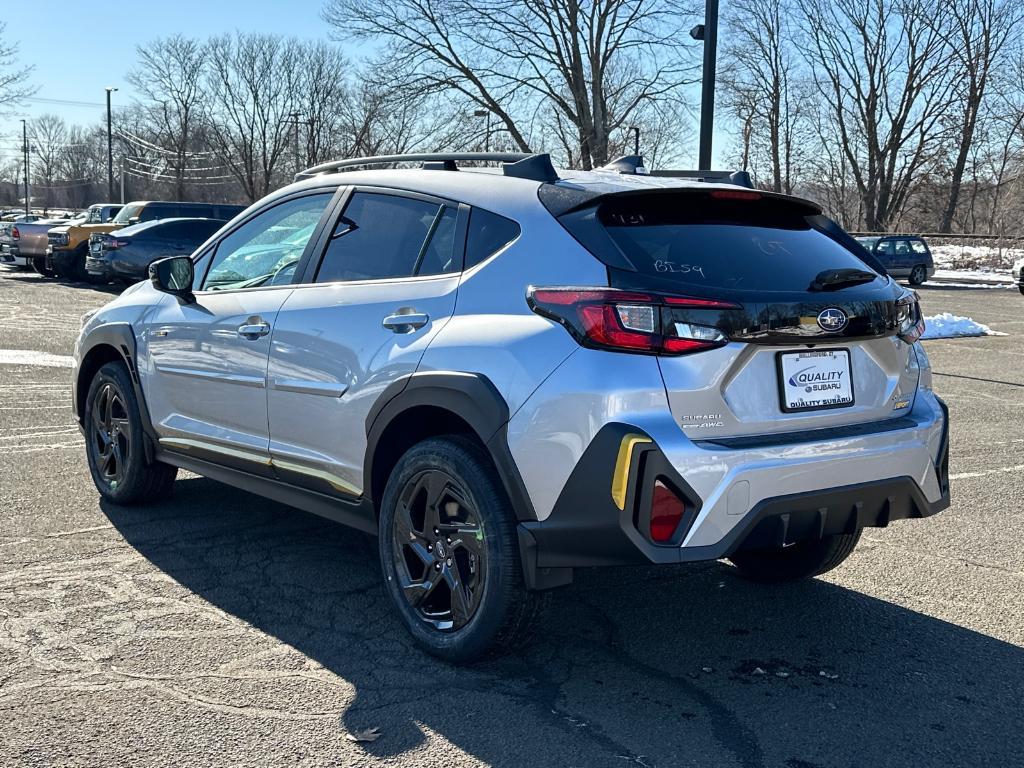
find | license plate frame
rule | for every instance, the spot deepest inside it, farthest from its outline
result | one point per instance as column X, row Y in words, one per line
column 784, row 391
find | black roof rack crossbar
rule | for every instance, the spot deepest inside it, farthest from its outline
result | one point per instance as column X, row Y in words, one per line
column 447, row 158
column 739, row 178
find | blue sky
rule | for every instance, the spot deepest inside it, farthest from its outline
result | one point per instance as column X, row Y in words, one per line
column 67, row 67
column 79, row 48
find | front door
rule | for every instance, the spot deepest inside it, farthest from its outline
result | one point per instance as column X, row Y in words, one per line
column 385, row 286
column 204, row 365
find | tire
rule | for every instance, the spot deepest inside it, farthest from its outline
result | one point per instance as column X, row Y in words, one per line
column 802, row 560
column 495, row 611
column 67, row 270
column 114, row 442
column 39, row 265
column 918, row 275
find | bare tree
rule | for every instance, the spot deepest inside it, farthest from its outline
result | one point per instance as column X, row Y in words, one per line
column 882, row 69
column 170, row 79
column 13, row 79
column 249, row 80
column 759, row 76
column 48, row 135
column 977, row 33
column 597, row 63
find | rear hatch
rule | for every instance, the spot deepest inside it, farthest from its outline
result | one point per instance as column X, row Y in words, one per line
column 802, row 328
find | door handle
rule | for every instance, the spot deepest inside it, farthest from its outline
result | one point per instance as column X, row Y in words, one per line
column 254, row 329
column 405, row 321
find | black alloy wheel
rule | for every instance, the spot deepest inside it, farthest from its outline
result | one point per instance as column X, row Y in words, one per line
column 114, row 441
column 438, row 550
column 111, row 434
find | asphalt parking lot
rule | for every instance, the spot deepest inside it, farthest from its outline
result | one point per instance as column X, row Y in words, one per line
column 222, row 629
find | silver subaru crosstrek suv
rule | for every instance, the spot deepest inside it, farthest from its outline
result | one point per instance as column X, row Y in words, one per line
column 510, row 373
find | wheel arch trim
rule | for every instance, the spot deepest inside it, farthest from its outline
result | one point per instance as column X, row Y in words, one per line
column 474, row 399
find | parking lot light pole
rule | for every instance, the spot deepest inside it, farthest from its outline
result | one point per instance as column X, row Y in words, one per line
column 28, row 196
column 110, row 150
column 708, row 32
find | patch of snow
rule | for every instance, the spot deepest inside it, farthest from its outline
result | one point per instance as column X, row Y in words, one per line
column 985, row 256
column 946, row 325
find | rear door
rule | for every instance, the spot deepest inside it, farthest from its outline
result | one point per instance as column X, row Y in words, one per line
column 813, row 329
column 385, row 285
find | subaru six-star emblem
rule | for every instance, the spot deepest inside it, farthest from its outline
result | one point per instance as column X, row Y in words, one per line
column 832, row 319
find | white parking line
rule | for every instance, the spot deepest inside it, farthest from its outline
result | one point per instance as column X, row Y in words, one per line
column 983, row 473
column 32, row 357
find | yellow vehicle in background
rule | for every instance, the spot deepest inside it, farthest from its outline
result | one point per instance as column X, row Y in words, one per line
column 69, row 244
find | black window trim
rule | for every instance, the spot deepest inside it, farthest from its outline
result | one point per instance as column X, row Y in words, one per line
column 312, row 268
column 314, row 240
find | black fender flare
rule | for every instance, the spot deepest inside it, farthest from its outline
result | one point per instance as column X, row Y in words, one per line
column 121, row 337
column 475, row 399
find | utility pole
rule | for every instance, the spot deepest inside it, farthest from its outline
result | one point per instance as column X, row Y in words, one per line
column 708, row 32
column 28, row 193
column 295, row 121
column 122, row 179
column 110, row 150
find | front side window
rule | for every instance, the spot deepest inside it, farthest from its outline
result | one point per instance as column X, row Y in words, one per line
column 386, row 236
column 267, row 248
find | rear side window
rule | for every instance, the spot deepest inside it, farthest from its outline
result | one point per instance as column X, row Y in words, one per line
column 696, row 240
column 488, row 234
column 918, row 246
column 386, row 236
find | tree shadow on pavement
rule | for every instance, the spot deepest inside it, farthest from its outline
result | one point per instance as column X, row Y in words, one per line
column 651, row 666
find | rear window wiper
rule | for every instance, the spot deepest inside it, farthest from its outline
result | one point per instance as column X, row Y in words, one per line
column 834, row 279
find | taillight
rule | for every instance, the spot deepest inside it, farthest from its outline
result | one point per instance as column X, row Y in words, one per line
column 909, row 320
column 667, row 510
column 628, row 321
column 15, row 234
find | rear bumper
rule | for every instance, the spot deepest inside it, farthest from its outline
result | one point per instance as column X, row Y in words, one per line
column 12, row 256
column 756, row 503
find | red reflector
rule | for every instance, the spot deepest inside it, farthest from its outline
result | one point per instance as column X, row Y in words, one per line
column 734, row 194
column 666, row 511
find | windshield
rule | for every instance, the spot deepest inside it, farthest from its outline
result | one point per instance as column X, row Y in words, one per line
column 128, row 213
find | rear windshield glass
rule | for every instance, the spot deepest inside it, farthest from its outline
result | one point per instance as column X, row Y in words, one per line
column 733, row 244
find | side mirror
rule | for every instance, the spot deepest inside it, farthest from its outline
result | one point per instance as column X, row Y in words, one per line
column 173, row 276
column 133, row 220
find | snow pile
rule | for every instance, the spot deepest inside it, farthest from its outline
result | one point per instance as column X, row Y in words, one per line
column 985, row 259
column 946, row 325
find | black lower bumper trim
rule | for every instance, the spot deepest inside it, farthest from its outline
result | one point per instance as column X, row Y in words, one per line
column 585, row 527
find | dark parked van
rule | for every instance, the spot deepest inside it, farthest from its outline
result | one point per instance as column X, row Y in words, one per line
column 902, row 256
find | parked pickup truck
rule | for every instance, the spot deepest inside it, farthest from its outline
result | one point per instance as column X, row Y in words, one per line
column 24, row 245
column 68, row 245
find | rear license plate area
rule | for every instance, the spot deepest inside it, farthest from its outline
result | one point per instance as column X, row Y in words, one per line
column 814, row 380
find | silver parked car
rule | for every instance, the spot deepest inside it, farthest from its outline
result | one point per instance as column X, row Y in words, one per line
column 508, row 374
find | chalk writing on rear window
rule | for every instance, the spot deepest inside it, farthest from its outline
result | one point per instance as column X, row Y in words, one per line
column 677, row 268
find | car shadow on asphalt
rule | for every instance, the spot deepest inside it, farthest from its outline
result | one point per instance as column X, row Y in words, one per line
column 658, row 666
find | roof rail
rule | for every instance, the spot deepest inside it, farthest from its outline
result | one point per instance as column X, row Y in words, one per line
column 739, row 178
column 439, row 161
